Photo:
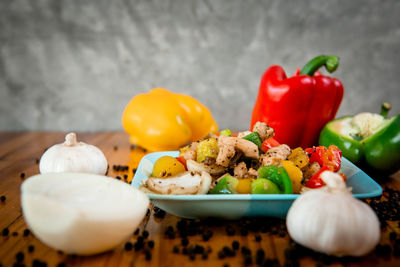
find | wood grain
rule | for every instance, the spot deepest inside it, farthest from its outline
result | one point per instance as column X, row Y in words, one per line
column 19, row 153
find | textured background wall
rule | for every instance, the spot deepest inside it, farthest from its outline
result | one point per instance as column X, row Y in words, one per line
column 74, row 65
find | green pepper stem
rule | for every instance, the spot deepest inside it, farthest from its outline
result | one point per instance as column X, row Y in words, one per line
column 330, row 62
column 385, row 109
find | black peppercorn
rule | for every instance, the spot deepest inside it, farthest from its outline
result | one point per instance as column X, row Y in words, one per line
column 235, row 245
column 26, row 232
column 20, row 256
column 145, row 233
column 22, row 175
column 150, row 244
column 128, row 246
column 230, row 231
column 5, row 232
column 184, row 242
column 258, row 238
column 31, row 248
column 3, row 198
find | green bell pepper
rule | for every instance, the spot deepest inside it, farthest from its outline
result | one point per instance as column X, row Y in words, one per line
column 227, row 185
column 366, row 138
column 277, row 175
column 255, row 138
column 264, row 186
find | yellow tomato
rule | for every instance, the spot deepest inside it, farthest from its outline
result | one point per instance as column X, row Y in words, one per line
column 167, row 166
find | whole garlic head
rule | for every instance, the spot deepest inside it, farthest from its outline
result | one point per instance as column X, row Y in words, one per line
column 330, row 220
column 73, row 156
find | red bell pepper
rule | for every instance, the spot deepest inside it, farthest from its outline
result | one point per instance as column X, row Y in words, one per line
column 268, row 143
column 331, row 156
column 316, row 181
column 298, row 107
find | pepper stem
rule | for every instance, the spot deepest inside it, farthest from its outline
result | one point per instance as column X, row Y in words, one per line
column 330, row 62
column 70, row 139
column 385, row 109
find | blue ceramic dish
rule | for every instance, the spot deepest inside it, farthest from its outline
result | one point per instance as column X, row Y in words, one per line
column 236, row 206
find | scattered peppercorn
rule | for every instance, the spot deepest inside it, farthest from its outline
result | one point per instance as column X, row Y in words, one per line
column 118, row 177
column 248, row 260
column 226, row 265
column 31, row 248
column 136, row 231
column 147, row 254
column 204, row 256
column 258, row 238
column 235, row 245
column 128, row 246
column 229, row 230
column 207, row 235
column 150, row 244
column 115, row 147
column 158, row 213
column 38, row 263
column 244, row 232
column 61, row 264
column 175, row 249
column 5, row 232
column 184, row 242
column 22, row 175
column 15, row 234
column 3, row 198
column 20, row 257
column 26, row 232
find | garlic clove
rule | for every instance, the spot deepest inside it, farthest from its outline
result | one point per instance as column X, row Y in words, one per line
column 81, row 213
column 73, row 156
column 330, row 220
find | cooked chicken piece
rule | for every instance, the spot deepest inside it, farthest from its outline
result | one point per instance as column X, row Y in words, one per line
column 189, row 152
column 187, row 183
column 227, row 146
column 311, row 169
column 264, row 130
column 243, row 134
column 240, row 170
column 212, row 169
column 275, row 155
column 252, row 173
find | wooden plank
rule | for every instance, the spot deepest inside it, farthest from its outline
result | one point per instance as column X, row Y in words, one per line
column 18, row 152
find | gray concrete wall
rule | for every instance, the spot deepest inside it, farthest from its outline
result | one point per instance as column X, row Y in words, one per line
column 74, row 65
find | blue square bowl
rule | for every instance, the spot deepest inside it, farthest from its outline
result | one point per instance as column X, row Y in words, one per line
column 242, row 205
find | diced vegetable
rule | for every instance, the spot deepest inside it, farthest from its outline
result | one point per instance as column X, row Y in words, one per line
column 227, row 185
column 279, row 176
column 226, row 132
column 295, row 175
column 244, row 186
column 255, row 138
column 268, row 143
column 167, row 166
column 299, row 157
column 207, row 148
column 264, row 186
column 331, row 156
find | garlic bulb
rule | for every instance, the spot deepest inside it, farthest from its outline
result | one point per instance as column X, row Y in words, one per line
column 330, row 220
column 73, row 156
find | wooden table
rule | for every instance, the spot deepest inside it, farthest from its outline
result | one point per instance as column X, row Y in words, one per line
column 19, row 155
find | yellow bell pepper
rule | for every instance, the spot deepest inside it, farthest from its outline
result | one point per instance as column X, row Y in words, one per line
column 162, row 120
column 295, row 175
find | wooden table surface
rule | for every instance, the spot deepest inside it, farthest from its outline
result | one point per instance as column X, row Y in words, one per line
column 19, row 155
